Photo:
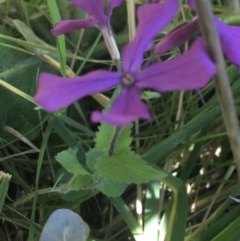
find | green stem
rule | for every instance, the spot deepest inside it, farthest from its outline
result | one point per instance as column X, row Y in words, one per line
column 114, row 140
column 115, row 55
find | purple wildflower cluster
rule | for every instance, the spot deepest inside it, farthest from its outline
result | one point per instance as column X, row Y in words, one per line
column 192, row 70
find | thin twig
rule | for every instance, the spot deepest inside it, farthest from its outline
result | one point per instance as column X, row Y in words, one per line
column 223, row 88
column 18, row 154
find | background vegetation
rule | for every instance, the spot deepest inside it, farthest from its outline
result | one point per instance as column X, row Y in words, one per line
column 186, row 138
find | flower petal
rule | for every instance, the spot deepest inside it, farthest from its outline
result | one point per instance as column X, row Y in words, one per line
column 94, row 8
column 67, row 26
column 177, row 36
column 126, row 108
column 229, row 37
column 111, row 5
column 152, row 19
column 192, row 70
column 230, row 41
column 55, row 92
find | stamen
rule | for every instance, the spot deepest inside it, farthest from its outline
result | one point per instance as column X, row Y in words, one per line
column 127, row 80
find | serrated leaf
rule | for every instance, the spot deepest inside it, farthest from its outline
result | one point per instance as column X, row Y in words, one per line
column 112, row 188
column 107, row 186
column 105, row 135
column 124, row 139
column 72, row 186
column 74, row 190
column 69, row 161
column 80, row 181
column 91, row 158
column 126, row 166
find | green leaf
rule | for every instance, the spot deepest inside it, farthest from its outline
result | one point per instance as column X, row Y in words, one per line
column 69, row 161
column 173, row 223
column 147, row 95
column 107, row 186
column 105, row 135
column 112, row 188
column 72, row 185
column 91, row 158
column 230, row 233
column 80, row 181
column 124, row 140
column 151, row 216
column 14, row 64
column 221, row 225
column 126, row 166
column 80, row 195
column 20, row 70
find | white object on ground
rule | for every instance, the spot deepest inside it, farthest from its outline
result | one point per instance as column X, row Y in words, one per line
column 65, row 225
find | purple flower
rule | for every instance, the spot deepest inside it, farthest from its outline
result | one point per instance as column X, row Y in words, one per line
column 97, row 18
column 229, row 37
column 190, row 71
column 177, row 36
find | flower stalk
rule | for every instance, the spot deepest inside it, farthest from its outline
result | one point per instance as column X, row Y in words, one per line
column 114, row 140
column 223, row 88
column 111, row 44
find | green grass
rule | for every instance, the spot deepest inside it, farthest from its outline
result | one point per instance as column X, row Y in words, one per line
column 191, row 202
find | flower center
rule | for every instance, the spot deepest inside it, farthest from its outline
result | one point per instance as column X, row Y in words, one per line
column 127, row 80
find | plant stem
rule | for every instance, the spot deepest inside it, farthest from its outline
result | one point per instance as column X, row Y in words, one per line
column 131, row 19
column 114, row 140
column 110, row 43
column 236, row 6
column 132, row 31
column 223, row 88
